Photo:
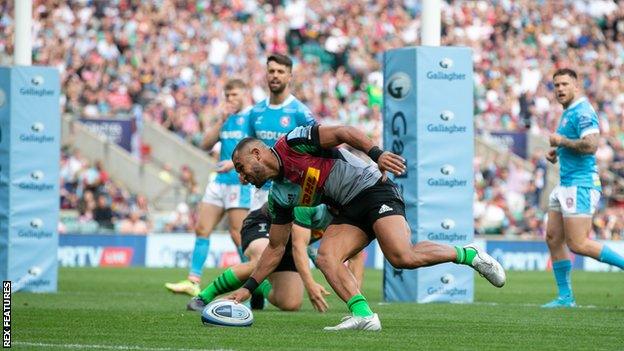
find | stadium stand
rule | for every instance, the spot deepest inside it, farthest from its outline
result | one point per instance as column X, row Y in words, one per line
column 166, row 62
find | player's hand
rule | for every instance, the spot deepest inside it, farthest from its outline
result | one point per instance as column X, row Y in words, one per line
column 239, row 295
column 391, row 162
column 551, row 156
column 225, row 166
column 317, row 293
column 555, row 139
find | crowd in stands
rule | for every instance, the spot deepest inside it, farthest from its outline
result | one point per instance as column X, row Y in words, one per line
column 169, row 59
column 91, row 202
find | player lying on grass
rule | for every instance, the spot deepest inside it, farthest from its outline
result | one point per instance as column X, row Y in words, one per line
column 369, row 207
column 284, row 287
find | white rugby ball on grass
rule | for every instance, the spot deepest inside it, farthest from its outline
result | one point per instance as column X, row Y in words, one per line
column 227, row 313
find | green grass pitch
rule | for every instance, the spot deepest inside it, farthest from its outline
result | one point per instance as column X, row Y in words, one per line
column 129, row 309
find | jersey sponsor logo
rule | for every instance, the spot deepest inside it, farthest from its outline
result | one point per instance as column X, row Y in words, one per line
column 309, row 185
column 269, row 134
column 263, row 227
column 231, row 134
column 284, row 121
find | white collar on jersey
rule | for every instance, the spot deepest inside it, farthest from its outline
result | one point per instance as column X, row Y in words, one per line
column 245, row 110
column 288, row 100
column 576, row 102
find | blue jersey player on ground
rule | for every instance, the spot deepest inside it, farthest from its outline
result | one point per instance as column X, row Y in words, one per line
column 573, row 202
column 225, row 194
column 277, row 115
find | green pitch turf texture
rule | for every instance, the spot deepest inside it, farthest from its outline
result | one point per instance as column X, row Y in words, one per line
column 129, row 309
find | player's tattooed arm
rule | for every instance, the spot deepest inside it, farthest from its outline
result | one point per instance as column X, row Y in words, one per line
column 332, row 136
column 586, row 145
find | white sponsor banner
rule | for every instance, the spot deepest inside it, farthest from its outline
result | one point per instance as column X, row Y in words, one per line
column 176, row 250
column 597, row 266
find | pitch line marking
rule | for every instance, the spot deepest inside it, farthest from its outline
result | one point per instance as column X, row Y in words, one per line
column 106, row 347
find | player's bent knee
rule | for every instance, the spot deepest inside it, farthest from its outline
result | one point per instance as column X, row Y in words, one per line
column 578, row 246
column 552, row 239
column 325, row 261
column 202, row 231
column 289, row 306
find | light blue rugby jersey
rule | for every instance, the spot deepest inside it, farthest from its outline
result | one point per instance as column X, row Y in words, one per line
column 270, row 122
column 577, row 121
column 234, row 129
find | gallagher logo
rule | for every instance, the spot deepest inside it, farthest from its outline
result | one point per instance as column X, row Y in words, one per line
column 447, row 115
column 399, row 85
column 446, row 63
column 36, row 80
column 36, row 135
column 447, row 181
column 36, row 88
column 37, row 127
column 36, row 182
column 309, row 185
column 445, row 127
column 447, row 224
column 447, row 278
column 36, row 223
column 35, row 230
column 447, row 169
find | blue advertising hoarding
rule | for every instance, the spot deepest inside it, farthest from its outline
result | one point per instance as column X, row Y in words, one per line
column 79, row 250
column 428, row 119
column 29, row 168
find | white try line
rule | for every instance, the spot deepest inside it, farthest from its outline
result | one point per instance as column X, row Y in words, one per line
column 106, row 347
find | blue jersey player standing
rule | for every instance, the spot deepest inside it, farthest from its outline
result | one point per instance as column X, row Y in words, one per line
column 277, row 115
column 573, row 202
column 225, row 194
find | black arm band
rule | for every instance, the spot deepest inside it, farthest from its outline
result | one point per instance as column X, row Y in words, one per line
column 251, row 284
column 374, row 153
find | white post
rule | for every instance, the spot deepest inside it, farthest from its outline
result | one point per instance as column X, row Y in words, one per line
column 431, row 23
column 22, row 55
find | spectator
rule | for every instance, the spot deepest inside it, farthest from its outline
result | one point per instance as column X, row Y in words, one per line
column 103, row 214
column 134, row 224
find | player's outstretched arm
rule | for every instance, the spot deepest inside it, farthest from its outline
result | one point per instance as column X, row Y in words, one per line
column 316, row 292
column 271, row 256
column 332, row 136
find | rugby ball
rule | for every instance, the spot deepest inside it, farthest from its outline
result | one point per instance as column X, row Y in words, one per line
column 227, row 313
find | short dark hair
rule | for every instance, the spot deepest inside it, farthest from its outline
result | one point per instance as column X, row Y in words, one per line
column 235, row 84
column 243, row 144
column 565, row 72
column 281, row 59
